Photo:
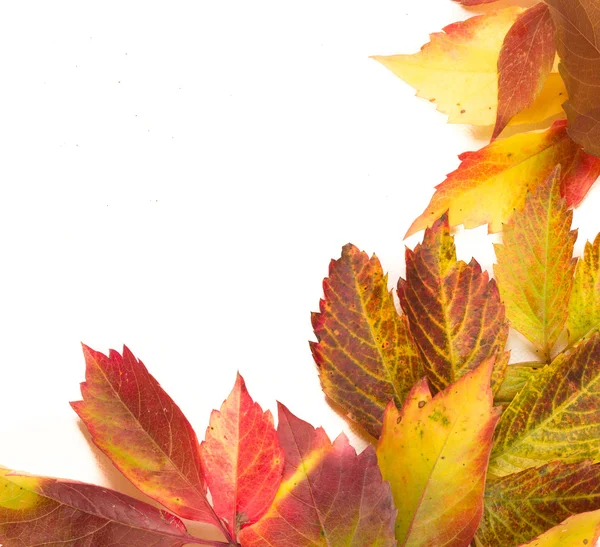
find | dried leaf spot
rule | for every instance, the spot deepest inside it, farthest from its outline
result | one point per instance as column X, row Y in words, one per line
column 421, row 405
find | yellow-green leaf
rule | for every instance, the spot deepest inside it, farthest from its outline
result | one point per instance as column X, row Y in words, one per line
column 535, row 265
column 576, row 531
column 458, row 70
column 555, row 416
column 434, row 453
column 584, row 305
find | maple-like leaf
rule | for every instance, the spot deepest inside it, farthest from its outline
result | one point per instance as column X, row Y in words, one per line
column 519, row 507
column 555, row 416
column 525, row 61
column 454, row 309
column 241, row 459
column 491, row 183
column 576, row 531
column 584, row 305
column 458, row 70
column 53, row 512
column 434, row 452
column 138, row 426
column 329, row 496
column 577, row 25
column 535, row 265
column 365, row 353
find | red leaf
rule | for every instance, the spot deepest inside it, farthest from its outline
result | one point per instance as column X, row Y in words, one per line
column 144, row 433
column 241, row 459
column 52, row 512
column 525, row 61
column 328, row 496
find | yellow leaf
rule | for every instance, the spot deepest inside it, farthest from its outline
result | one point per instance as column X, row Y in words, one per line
column 458, row 71
column 576, row 531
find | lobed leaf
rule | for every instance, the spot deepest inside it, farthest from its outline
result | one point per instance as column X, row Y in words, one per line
column 521, row 506
column 434, row 452
column 365, row 353
column 491, row 183
column 453, row 308
column 44, row 511
column 241, row 459
column 525, row 61
column 144, row 433
column 535, row 265
column 555, row 416
column 576, row 531
column 458, row 70
column 584, row 305
column 329, row 496
column 577, row 25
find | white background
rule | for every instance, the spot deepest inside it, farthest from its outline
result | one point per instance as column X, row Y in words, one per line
column 177, row 177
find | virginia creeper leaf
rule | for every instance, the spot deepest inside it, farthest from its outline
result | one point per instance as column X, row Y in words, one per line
column 525, row 61
column 491, row 183
column 519, row 507
column 576, row 531
column 555, row 416
column 515, row 378
column 241, row 459
column 365, row 353
column 453, row 308
column 138, row 426
column 584, row 305
column 535, row 265
column 53, row 512
column 329, row 496
column 577, row 25
column 458, row 70
column 434, row 452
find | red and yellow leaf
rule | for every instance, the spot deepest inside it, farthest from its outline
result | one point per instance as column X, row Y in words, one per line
column 365, row 353
column 525, row 61
column 434, row 452
column 491, row 183
column 53, row 512
column 521, row 506
column 535, row 265
column 556, row 415
column 576, row 531
column 241, row 459
column 458, row 70
column 584, row 305
column 577, row 25
column 329, row 495
column 138, row 426
column 453, row 308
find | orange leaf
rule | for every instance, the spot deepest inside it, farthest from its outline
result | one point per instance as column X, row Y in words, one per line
column 525, row 61
column 434, row 452
column 241, row 459
column 453, row 308
column 365, row 354
column 492, row 183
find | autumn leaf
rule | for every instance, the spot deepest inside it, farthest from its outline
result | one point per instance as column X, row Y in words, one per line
column 364, row 353
column 458, row 70
column 535, row 265
column 491, row 183
column 515, row 378
column 329, row 495
column 474, row 2
column 555, row 416
column 584, row 305
column 44, row 511
column 525, row 61
column 519, row 507
column 138, row 426
column 577, row 25
column 576, row 531
column 453, row 308
column 434, row 452
column 241, row 459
